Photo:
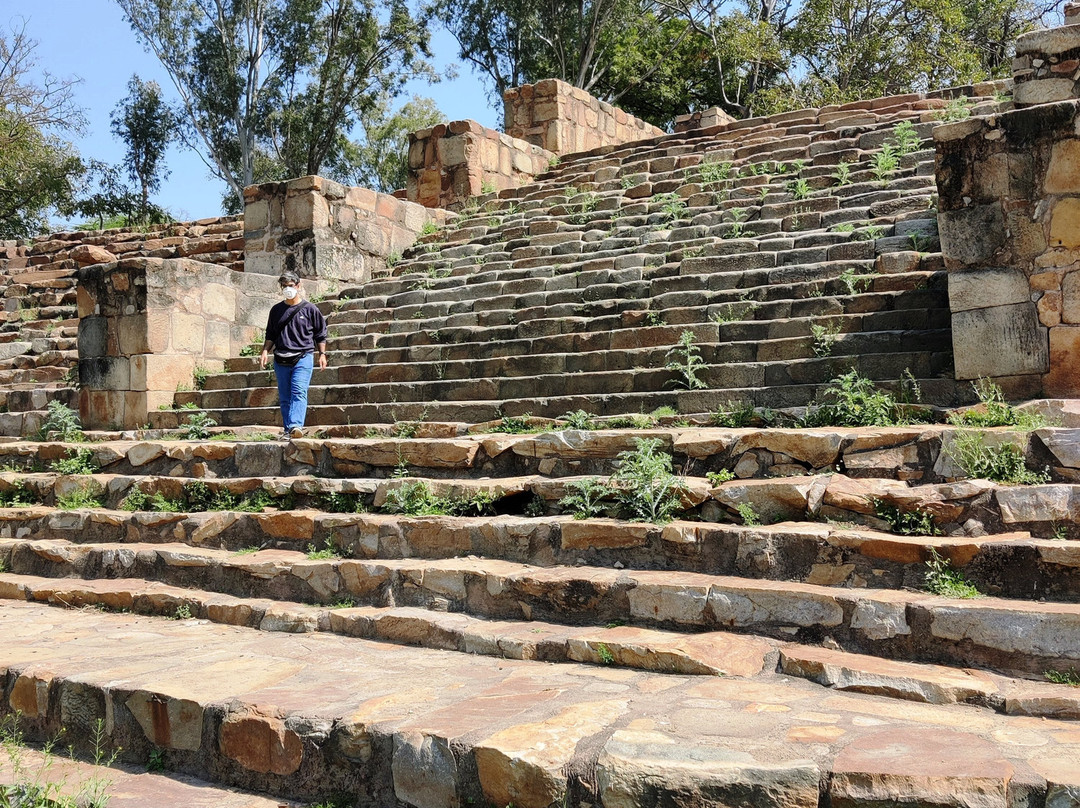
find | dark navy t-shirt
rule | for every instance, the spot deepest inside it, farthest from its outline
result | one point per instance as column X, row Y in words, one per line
column 304, row 329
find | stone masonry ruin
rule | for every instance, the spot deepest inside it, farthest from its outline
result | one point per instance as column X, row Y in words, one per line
column 460, row 587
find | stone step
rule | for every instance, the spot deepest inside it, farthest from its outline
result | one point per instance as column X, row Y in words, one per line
column 627, row 647
column 380, row 725
column 119, row 785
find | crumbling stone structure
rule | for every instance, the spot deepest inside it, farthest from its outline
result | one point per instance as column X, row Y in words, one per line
column 452, row 162
column 325, row 231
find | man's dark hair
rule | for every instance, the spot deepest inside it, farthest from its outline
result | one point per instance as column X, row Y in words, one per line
column 288, row 279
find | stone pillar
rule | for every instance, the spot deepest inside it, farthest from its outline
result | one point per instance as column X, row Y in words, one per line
column 1009, row 220
column 564, row 119
column 146, row 323
column 325, row 231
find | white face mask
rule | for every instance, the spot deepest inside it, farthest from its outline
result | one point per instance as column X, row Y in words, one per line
column 289, row 292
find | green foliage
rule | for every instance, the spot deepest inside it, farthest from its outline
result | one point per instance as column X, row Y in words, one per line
column 853, row 283
column 342, row 502
column 995, row 410
column 720, row 477
column 712, row 171
column 253, row 348
column 145, row 124
column 199, row 376
column 735, row 415
column 155, row 761
column 647, row 490
column 853, row 400
column 1068, row 677
column 654, row 318
column 736, row 312
column 941, row 579
column 906, row 523
column 884, row 163
column 197, row 426
column 603, row 653
column 327, row 551
column 17, row 496
column 672, row 206
column 685, row 360
column 183, row 612
column 824, row 338
column 63, row 422
column 79, row 462
column 515, row 425
column 749, row 516
column 159, row 503
column 799, row 189
column 579, row 419
column 842, row 175
column 136, row 500
column 905, row 139
column 586, row 498
column 1003, row 464
column 82, row 496
column 415, row 498
column 958, row 109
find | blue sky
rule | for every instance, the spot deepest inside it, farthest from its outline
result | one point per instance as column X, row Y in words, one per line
column 90, row 39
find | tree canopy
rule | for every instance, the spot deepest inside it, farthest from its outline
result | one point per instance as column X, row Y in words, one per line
column 38, row 166
column 144, row 122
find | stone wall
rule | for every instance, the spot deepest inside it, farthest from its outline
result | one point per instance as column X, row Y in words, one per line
column 1047, row 64
column 146, row 323
column 450, row 163
column 565, row 119
column 1009, row 221
column 325, row 231
column 702, row 119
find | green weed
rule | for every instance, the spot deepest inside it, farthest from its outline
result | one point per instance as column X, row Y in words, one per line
column 80, row 462
column 685, row 360
column 586, row 498
column 995, row 410
column 720, row 477
column 941, row 579
column 735, row 415
column 853, row 400
column 62, row 422
column 906, row 523
column 1003, row 464
column 749, row 516
column 824, row 338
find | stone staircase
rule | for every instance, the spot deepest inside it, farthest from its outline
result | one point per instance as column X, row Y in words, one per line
column 39, row 322
column 571, row 292
column 449, row 593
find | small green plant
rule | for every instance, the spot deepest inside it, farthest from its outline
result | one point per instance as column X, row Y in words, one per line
column 342, row 502
column 603, row 653
column 253, row 348
column 579, row 419
column 1070, row 677
column 79, row 462
column 842, row 175
column 1002, row 464
column 737, row 415
column 198, row 426
column 183, row 612
column 17, row 496
column 749, row 516
column 736, row 312
column 247, row 550
column 162, row 504
column 995, row 410
column 586, row 498
column 824, row 338
column 647, row 490
column 736, row 228
column 537, row 506
column 853, row 400
column 155, row 761
column 714, row 171
column 799, row 189
column 672, row 206
column 870, row 233
column 63, row 422
column 941, row 579
column 1059, row 532
column 654, row 318
column 515, row 425
column 685, row 360
column 906, row 523
column 553, row 162
column 720, row 477
column 884, row 163
column 844, row 227
column 200, row 374
column 82, row 496
column 429, row 228
column 853, row 283
column 327, row 551
column 905, row 139
column 487, row 187
column 393, row 259
column 958, row 109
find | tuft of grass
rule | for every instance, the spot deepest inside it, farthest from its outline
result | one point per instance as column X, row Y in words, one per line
column 941, row 579
column 734, row 415
column 79, row 462
column 579, row 419
column 1068, row 677
column 81, row 497
column 1003, row 464
column 995, row 410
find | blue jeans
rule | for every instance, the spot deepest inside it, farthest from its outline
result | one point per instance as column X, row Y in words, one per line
column 292, row 387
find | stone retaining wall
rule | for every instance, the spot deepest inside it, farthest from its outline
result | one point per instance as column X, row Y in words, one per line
column 564, row 119
column 146, row 323
column 451, row 163
column 1009, row 221
column 1047, row 65
column 326, row 231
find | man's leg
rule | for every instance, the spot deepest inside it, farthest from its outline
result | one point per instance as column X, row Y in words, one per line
column 301, row 378
column 284, row 375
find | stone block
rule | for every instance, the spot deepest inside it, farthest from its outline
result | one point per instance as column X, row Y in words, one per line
column 260, row 743
column 1070, row 297
column 257, row 215
column 999, row 341
column 986, row 288
column 1065, row 223
column 305, row 211
column 169, row 723
column 93, row 333
column 971, row 235
column 219, row 300
column 166, row 372
column 1048, row 42
column 1063, row 380
column 188, row 333
column 219, row 340
column 1044, row 91
column 30, row 694
column 131, row 334
column 452, row 151
column 424, row 770
column 1063, row 173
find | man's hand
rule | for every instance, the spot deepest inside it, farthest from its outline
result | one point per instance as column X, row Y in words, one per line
column 264, row 357
column 322, row 361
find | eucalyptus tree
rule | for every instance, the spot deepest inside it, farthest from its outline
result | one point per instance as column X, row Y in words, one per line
column 271, row 86
column 144, row 122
